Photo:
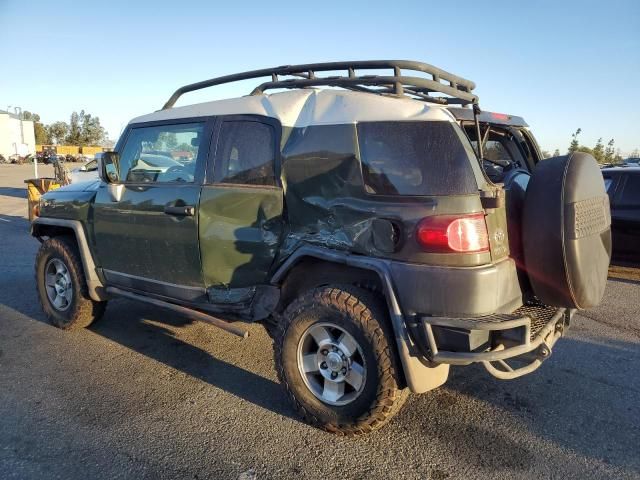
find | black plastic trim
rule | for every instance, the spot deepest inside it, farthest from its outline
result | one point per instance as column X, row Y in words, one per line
column 420, row 374
column 165, row 289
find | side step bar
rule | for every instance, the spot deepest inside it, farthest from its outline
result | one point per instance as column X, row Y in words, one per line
column 189, row 312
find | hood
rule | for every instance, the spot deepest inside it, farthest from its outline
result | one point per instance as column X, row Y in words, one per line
column 85, row 186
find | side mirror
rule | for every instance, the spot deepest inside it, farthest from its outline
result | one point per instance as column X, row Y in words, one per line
column 109, row 167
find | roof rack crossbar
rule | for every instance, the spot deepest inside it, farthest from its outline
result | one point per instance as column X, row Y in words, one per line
column 458, row 89
column 416, row 84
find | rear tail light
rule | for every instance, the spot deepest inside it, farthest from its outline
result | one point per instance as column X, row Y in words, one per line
column 453, row 233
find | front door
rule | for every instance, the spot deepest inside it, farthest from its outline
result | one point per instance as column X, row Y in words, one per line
column 146, row 226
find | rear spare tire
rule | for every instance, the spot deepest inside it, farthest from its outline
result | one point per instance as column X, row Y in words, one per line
column 566, row 230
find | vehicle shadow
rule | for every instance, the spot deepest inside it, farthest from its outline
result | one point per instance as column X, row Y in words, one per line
column 15, row 219
column 583, row 398
column 14, row 192
column 148, row 330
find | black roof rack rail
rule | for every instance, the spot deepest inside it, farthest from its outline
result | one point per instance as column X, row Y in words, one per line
column 457, row 89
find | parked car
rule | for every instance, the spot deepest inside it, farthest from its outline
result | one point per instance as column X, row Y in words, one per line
column 632, row 161
column 379, row 226
column 86, row 172
column 623, row 187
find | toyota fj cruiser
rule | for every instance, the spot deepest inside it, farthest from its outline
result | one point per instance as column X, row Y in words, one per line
column 382, row 223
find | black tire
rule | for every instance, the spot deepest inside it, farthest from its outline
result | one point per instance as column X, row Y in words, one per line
column 81, row 311
column 359, row 313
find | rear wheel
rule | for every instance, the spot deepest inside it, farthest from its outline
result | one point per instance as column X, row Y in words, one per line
column 62, row 288
column 335, row 357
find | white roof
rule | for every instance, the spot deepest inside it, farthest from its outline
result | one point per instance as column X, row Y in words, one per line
column 301, row 108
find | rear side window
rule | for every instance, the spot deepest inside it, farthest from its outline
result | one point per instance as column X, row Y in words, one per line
column 631, row 194
column 415, row 158
column 245, row 153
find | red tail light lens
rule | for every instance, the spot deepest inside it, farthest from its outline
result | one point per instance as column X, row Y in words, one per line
column 453, row 233
column 500, row 116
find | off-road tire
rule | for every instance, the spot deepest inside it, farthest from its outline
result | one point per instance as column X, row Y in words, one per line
column 83, row 311
column 361, row 314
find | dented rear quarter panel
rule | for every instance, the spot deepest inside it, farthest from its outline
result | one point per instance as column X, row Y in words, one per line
column 327, row 205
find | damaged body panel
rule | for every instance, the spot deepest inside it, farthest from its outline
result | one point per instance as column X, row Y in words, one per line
column 240, row 231
column 329, row 205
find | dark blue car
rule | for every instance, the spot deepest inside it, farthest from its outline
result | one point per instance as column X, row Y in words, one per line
column 623, row 187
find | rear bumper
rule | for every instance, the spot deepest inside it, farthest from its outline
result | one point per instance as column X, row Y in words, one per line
column 526, row 336
column 457, row 291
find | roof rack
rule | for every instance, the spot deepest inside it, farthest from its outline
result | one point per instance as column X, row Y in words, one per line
column 457, row 90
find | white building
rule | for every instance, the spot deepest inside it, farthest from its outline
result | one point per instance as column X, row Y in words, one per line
column 16, row 135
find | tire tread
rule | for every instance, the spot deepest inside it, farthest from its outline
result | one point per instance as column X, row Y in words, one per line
column 85, row 311
column 365, row 309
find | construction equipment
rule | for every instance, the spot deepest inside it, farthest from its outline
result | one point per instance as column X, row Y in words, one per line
column 36, row 187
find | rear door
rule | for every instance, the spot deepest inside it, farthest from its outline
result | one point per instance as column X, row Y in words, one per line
column 146, row 227
column 241, row 207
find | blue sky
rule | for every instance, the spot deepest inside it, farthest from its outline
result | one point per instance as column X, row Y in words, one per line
column 560, row 64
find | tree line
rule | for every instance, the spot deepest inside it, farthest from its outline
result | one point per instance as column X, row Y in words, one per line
column 601, row 152
column 83, row 129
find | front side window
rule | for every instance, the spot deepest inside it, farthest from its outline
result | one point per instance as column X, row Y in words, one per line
column 415, row 158
column 164, row 153
column 245, row 153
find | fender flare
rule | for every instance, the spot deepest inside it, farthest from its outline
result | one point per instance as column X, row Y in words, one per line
column 420, row 375
column 95, row 286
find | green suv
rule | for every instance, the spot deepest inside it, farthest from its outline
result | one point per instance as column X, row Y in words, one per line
column 378, row 221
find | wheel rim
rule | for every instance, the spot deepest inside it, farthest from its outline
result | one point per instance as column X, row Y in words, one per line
column 58, row 284
column 332, row 364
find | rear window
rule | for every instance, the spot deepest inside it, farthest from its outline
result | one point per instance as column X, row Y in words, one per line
column 415, row 158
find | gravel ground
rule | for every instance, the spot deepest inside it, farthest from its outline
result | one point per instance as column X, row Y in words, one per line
column 147, row 394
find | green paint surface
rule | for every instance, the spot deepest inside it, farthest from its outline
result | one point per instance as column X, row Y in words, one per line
column 240, row 231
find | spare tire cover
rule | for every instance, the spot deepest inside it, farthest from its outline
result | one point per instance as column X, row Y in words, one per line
column 566, row 230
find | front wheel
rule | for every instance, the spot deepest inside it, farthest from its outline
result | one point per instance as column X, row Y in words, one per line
column 335, row 357
column 62, row 288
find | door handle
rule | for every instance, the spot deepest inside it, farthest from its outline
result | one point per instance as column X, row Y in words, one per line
column 183, row 211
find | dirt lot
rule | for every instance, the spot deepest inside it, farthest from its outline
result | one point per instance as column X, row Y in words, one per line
column 146, row 394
